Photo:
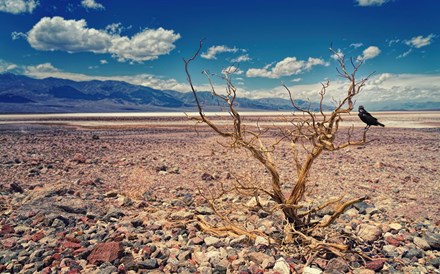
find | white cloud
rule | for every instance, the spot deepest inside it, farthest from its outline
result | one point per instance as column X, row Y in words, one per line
column 287, row 67
column 241, row 58
column 103, row 62
column 232, row 70
column 356, row 45
column 56, row 33
column 18, row 6
column 381, row 78
column 214, row 50
column 420, row 41
column 404, row 54
column 92, row 4
column 337, row 55
column 366, row 3
column 48, row 70
column 295, row 80
column 17, row 35
column 6, row 66
column 146, row 45
column 369, row 53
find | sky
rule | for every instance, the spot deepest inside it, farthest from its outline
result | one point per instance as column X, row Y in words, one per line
column 265, row 43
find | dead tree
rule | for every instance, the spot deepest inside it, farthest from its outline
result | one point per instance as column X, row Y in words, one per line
column 310, row 134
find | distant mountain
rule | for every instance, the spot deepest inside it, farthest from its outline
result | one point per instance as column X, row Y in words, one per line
column 21, row 94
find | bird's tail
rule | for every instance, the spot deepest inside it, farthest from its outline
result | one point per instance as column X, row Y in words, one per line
column 380, row 124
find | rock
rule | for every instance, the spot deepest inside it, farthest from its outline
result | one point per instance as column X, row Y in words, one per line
column 433, row 240
column 363, row 271
column 258, row 257
column 411, row 253
column 259, row 240
column 421, row 243
column 362, row 207
column 148, row 264
column 311, row 270
column 211, row 241
column 124, row 201
column 395, row 226
column 390, row 251
column 204, row 210
column 435, row 262
column 375, row 264
column 182, row 215
column 113, row 213
column 105, row 252
column 369, row 233
column 243, row 239
column 15, row 187
column 79, row 158
column 7, row 229
column 281, row 266
column 337, row 264
column 207, row 177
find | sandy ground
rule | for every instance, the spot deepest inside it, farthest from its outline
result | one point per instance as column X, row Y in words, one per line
column 399, row 171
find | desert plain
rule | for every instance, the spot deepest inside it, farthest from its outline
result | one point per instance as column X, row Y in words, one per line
column 103, row 193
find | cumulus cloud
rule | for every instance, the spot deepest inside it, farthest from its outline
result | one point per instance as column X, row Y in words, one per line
column 420, row 41
column 103, row 62
column 366, row 3
column 92, row 4
column 18, row 6
column 241, row 58
column 369, row 53
column 287, row 67
column 214, row 50
column 404, row 54
column 56, row 33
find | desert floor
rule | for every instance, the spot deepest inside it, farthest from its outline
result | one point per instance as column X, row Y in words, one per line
column 167, row 157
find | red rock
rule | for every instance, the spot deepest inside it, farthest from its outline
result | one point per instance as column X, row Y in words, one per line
column 79, row 251
column 72, row 239
column 105, row 252
column 72, row 245
column 9, row 242
column 79, row 158
column 37, row 236
column 396, row 241
column 375, row 265
column 7, row 229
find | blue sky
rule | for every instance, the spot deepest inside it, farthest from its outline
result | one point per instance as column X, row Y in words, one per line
column 143, row 42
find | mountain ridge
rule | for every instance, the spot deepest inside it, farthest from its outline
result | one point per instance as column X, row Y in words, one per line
column 23, row 94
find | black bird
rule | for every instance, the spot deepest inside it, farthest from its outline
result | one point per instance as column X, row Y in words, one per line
column 368, row 119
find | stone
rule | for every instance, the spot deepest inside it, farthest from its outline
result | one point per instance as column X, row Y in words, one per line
column 211, row 241
column 375, row 264
column 182, row 215
column 411, row 253
column 395, row 226
column 15, row 187
column 390, row 251
column 148, row 264
column 421, row 243
column 79, row 158
column 258, row 257
column 363, row 271
column 243, row 239
column 433, row 240
column 369, row 233
column 338, row 264
column 311, row 270
column 259, row 240
column 7, row 229
column 204, row 210
column 281, row 266
column 105, row 252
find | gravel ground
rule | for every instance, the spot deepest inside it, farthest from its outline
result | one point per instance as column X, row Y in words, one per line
column 123, row 199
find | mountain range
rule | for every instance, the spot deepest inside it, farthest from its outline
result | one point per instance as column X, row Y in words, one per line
column 22, row 94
